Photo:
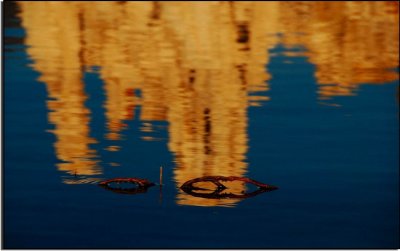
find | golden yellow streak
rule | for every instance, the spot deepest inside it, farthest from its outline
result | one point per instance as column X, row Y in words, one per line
column 55, row 47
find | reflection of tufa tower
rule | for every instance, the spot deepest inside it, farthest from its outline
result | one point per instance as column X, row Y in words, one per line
column 208, row 113
column 351, row 43
column 55, row 48
column 196, row 65
column 193, row 63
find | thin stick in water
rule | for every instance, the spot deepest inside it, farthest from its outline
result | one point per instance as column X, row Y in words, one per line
column 161, row 176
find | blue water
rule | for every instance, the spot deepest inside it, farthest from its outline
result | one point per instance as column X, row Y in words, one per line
column 336, row 168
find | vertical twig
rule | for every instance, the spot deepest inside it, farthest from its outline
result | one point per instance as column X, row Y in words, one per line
column 161, row 171
column 161, row 184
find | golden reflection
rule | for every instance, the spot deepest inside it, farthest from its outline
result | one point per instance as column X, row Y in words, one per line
column 197, row 66
column 61, row 71
column 351, row 43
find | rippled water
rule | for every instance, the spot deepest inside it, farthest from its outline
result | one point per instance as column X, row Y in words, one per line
column 303, row 96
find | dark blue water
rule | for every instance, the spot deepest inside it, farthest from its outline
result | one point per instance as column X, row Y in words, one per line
column 335, row 162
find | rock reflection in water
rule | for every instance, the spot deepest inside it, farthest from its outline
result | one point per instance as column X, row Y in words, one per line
column 196, row 65
column 350, row 43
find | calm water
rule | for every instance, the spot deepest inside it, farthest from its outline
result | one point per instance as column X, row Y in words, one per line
column 303, row 96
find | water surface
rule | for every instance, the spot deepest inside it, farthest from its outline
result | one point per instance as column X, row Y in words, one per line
column 303, row 96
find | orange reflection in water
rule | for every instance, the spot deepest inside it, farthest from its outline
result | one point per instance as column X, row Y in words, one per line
column 196, row 65
column 61, row 71
column 351, row 43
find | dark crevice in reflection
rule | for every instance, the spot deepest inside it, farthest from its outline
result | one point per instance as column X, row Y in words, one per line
column 82, row 41
column 192, row 76
column 156, row 12
column 207, row 131
column 242, row 75
column 243, row 33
